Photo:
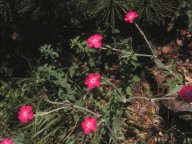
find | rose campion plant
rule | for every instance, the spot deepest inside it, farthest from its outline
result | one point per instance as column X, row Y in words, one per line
column 25, row 114
column 186, row 93
column 6, row 141
column 89, row 124
column 131, row 16
column 95, row 41
column 93, row 80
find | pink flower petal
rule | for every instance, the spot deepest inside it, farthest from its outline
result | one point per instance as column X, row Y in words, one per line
column 94, row 41
column 97, row 76
column 25, row 114
column 186, row 93
column 131, row 16
column 93, row 80
column 28, row 108
column 6, row 141
column 89, row 125
column 87, row 131
column 97, row 84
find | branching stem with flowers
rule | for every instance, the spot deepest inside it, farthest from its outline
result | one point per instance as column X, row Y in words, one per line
column 94, row 113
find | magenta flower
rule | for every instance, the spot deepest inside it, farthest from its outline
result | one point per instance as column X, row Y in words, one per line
column 93, row 80
column 186, row 93
column 25, row 114
column 131, row 16
column 89, row 125
column 95, row 41
column 6, row 141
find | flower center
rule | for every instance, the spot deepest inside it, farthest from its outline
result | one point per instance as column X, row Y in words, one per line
column 131, row 16
column 95, row 40
column 188, row 93
column 88, row 124
column 25, row 113
column 93, row 80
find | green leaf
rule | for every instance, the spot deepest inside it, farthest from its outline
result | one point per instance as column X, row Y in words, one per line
column 47, row 126
column 91, row 62
column 129, row 91
column 72, row 69
column 71, row 97
column 19, row 138
column 136, row 78
column 174, row 90
column 76, row 117
column 63, row 82
column 159, row 65
column 60, row 93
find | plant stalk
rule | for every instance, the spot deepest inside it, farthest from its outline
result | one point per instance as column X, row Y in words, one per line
column 154, row 55
column 87, row 110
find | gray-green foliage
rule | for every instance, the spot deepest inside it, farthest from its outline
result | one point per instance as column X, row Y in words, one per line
column 45, row 77
column 47, row 51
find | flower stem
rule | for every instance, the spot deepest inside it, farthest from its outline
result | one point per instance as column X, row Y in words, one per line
column 137, row 97
column 128, row 53
column 46, row 113
column 87, row 110
column 150, row 99
column 146, row 40
column 112, row 132
column 71, row 131
column 67, row 104
column 122, row 96
column 154, row 55
column 141, row 55
column 164, row 98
